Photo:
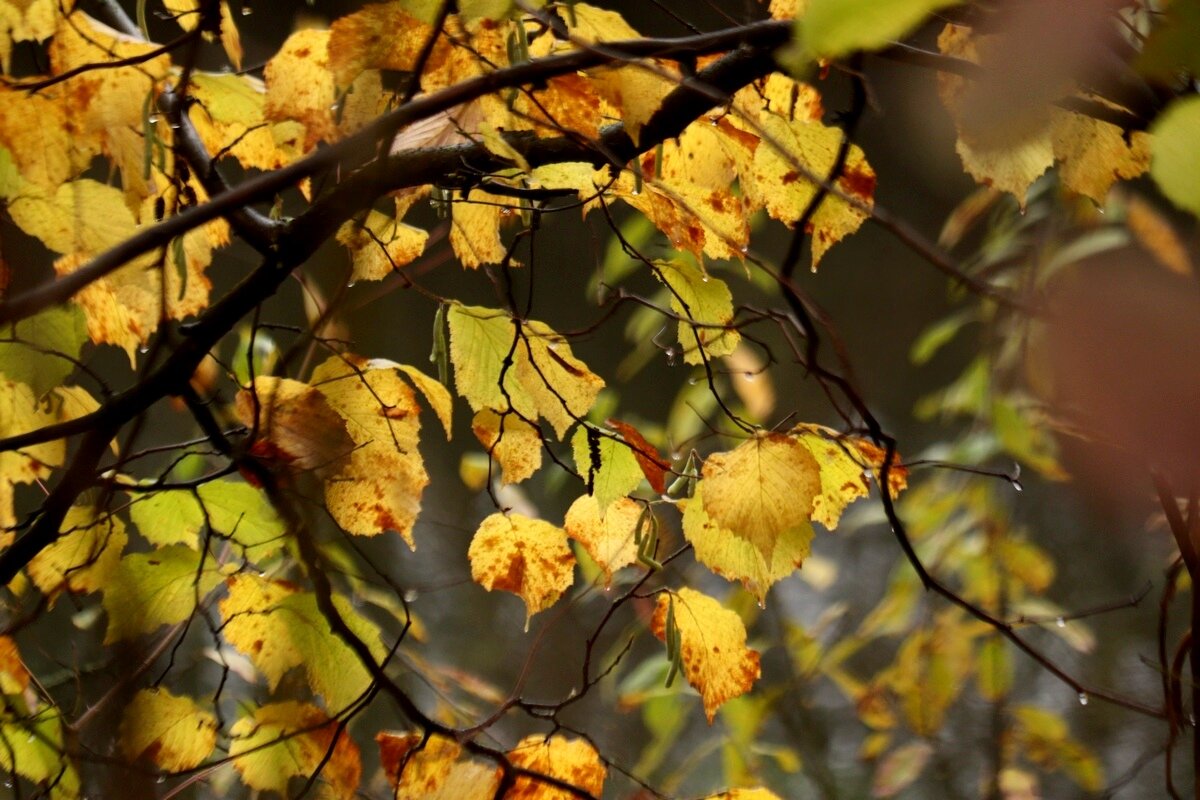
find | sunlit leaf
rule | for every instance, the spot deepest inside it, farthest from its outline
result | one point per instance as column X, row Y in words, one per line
column 528, row 557
column 279, row 741
column 511, row 441
column 1174, row 165
column 420, row 768
column 572, row 761
column 279, row 627
column 84, row 556
column 300, row 85
column 608, row 537
column 716, row 661
column 606, row 464
column 172, row 731
column 33, row 749
column 832, row 28
column 148, row 590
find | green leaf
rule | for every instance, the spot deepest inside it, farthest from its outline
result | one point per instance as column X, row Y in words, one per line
column 33, row 749
column 832, row 28
column 995, row 669
column 938, row 335
column 168, row 517
column 243, row 513
column 1175, row 154
column 607, row 466
column 37, row 351
column 707, row 302
column 149, row 590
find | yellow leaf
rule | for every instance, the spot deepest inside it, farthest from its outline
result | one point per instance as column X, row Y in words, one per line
column 929, row 673
column 845, row 462
column 572, row 761
column 381, row 245
column 708, row 304
column 750, row 379
column 1044, row 739
column 541, row 377
column 735, row 558
column 283, row 740
column 761, row 489
column 900, row 768
column 34, row 748
column 637, row 90
column 566, row 103
column 420, row 768
column 716, row 661
column 25, row 21
column 174, row 732
column 300, row 85
column 82, row 216
column 528, row 557
column 231, row 41
column 783, row 188
column 380, row 489
column 475, row 227
column 279, row 627
column 295, row 426
column 589, row 23
column 148, row 590
column 42, row 152
column 21, row 412
column 230, row 118
column 608, row 537
column 378, row 36
column 745, row 794
column 607, row 465
column 437, row 395
column 1092, row 155
column 513, row 443
column 83, row 557
column 833, row 28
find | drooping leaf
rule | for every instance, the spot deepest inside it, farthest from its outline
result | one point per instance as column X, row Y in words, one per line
column 279, row 741
column 572, row 761
column 845, row 462
column 608, row 537
column 420, row 768
column 736, row 558
column 172, row 731
column 14, row 677
column 606, row 464
column 761, row 489
column 279, row 627
column 528, row 557
column 900, row 768
column 148, row 590
column 511, row 441
column 706, row 305
column 39, row 350
column 716, row 661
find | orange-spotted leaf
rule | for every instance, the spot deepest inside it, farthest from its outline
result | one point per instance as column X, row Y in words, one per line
column 528, row 557
column 14, row 677
column 300, row 86
column 279, row 627
column 609, row 537
column 380, row 245
column 653, row 465
column 716, row 661
column 511, row 441
column 761, row 489
column 171, row 731
column 737, row 559
column 380, row 488
column 845, row 463
column 277, row 742
column 572, row 761
column 432, row 768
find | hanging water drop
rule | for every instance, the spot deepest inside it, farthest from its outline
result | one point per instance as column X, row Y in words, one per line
column 1060, row 622
column 247, row 10
column 143, row 349
column 1083, row 698
column 350, row 284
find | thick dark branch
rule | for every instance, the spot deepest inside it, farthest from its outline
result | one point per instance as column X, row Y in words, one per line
column 764, row 37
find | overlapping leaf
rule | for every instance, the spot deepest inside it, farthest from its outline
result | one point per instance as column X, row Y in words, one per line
column 606, row 464
column 84, row 556
column 170, row 730
column 145, row 591
column 511, row 441
column 420, row 768
column 280, row 741
column 572, row 761
column 608, row 537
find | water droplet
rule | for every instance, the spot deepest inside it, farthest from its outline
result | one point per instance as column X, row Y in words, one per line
column 552, row 346
column 153, row 118
column 1060, row 622
column 1023, row 210
column 762, row 604
column 693, row 381
column 410, row 595
column 161, row 779
column 704, row 278
column 636, row 191
column 350, row 284
column 247, row 11
column 749, row 376
column 714, row 122
column 1100, row 211
column 1016, row 484
column 1083, row 698
column 744, row 249
column 143, row 349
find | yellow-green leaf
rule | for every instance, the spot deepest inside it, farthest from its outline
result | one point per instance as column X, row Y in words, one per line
column 149, row 590
column 706, row 304
column 1175, row 157
column 832, row 28
column 172, row 731
column 606, row 464
column 284, row 740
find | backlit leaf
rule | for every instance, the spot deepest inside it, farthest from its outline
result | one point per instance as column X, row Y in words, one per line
column 33, row 749
column 528, row 557
column 736, row 558
column 20, row 412
column 172, row 731
column 244, row 514
column 279, row 627
column 279, row 741
column 716, row 661
column 300, row 85
column 84, row 556
column 432, row 768
column 380, row 488
column 511, row 441
column 380, row 245
column 1174, row 166
column 296, row 423
column 572, row 761
column 761, row 489
column 608, row 537
column 149, row 590
column 706, row 305
column 606, row 464
column 14, row 677
column 38, row 350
